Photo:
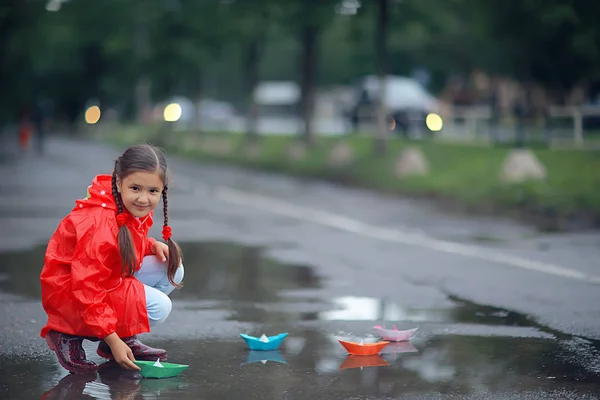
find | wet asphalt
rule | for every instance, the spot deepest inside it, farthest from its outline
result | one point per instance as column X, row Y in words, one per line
column 270, row 254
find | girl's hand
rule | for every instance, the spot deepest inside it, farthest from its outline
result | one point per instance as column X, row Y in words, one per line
column 121, row 352
column 161, row 250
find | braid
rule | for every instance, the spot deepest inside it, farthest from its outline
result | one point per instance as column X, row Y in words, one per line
column 126, row 246
column 175, row 253
column 115, row 191
column 165, row 205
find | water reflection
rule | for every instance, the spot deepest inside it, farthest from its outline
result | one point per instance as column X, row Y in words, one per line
column 387, row 313
column 394, row 350
column 73, row 387
column 363, row 362
column 114, row 383
column 255, row 356
column 111, row 382
column 221, row 270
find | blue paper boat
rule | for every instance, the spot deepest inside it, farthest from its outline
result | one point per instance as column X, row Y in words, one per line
column 264, row 357
column 256, row 344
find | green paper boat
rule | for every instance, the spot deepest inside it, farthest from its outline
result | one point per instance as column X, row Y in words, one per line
column 168, row 370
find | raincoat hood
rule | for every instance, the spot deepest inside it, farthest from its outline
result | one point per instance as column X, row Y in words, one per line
column 99, row 194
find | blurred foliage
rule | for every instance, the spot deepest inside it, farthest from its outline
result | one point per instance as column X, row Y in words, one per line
column 100, row 49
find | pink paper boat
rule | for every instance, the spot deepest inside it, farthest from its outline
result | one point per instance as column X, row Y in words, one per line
column 394, row 335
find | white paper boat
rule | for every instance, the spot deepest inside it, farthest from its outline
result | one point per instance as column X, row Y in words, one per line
column 394, row 335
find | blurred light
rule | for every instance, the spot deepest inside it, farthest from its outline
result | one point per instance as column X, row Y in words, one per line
column 92, row 115
column 348, row 7
column 392, row 124
column 54, row 5
column 172, row 112
column 434, row 122
column 351, row 3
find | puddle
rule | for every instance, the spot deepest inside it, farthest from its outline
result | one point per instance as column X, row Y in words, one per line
column 246, row 286
column 20, row 272
column 317, row 367
column 352, row 308
column 229, row 272
column 213, row 271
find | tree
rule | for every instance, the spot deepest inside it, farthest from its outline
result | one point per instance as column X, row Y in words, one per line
column 553, row 43
column 306, row 19
column 249, row 23
column 381, row 44
column 18, row 21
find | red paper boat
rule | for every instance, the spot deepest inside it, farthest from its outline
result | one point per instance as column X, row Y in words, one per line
column 363, row 349
column 374, row 360
column 394, row 335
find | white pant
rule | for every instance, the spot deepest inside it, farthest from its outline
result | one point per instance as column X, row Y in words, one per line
column 153, row 274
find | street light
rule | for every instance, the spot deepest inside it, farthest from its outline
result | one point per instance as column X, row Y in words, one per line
column 92, row 115
column 434, row 122
column 172, row 112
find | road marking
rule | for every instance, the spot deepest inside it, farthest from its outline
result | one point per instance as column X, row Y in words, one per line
column 343, row 223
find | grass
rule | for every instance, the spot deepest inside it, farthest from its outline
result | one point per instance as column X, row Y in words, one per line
column 460, row 174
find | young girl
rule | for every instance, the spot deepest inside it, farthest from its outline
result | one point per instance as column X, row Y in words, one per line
column 103, row 279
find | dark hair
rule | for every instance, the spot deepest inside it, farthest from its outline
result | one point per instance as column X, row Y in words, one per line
column 145, row 158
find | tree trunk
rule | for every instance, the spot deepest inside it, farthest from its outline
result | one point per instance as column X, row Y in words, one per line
column 142, row 98
column 381, row 36
column 141, row 50
column 199, row 95
column 251, row 70
column 307, row 82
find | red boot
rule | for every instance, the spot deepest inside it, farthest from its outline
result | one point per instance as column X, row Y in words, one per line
column 70, row 353
column 140, row 350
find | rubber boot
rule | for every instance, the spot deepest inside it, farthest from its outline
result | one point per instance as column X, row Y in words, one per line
column 140, row 350
column 70, row 353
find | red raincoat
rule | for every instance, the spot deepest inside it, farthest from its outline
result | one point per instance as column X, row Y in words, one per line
column 84, row 291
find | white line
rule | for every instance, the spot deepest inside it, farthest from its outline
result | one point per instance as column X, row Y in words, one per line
column 347, row 224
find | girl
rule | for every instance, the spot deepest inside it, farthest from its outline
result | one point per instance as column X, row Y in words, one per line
column 103, row 279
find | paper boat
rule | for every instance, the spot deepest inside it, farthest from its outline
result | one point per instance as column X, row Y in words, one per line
column 394, row 335
column 264, row 357
column 264, row 343
column 166, row 370
column 374, row 360
column 363, row 349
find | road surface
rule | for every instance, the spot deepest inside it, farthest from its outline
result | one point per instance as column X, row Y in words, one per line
column 503, row 311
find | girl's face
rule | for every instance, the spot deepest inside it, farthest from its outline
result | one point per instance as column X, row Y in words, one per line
column 141, row 192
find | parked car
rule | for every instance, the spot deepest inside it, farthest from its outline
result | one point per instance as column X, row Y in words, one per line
column 407, row 102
